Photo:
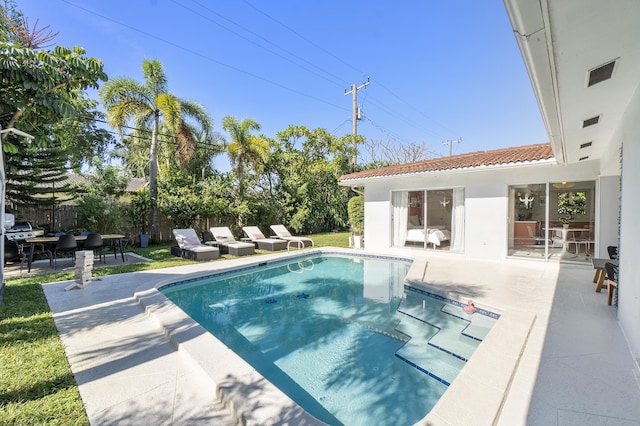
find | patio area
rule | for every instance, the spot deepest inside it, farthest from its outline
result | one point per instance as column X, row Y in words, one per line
column 42, row 266
column 576, row 367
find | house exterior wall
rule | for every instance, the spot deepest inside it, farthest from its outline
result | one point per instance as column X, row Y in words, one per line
column 608, row 212
column 628, row 134
column 486, row 202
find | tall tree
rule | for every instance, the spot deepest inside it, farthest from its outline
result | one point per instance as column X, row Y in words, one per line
column 99, row 206
column 144, row 106
column 303, row 176
column 40, row 91
column 247, row 152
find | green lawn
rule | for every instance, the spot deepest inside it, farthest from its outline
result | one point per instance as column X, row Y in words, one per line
column 36, row 383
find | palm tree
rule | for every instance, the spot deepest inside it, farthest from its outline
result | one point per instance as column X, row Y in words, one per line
column 143, row 105
column 245, row 150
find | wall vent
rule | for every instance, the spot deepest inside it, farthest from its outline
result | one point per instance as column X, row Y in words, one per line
column 586, row 145
column 591, row 121
column 583, row 158
column 600, row 74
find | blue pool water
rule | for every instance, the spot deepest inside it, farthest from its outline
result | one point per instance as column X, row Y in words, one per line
column 340, row 335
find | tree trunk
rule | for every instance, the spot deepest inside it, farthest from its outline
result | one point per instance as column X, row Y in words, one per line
column 153, row 178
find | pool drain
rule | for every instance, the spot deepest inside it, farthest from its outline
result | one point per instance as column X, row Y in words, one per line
column 271, row 301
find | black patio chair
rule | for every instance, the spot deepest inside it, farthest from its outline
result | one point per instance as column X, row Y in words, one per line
column 612, row 280
column 13, row 253
column 66, row 244
column 613, row 252
column 94, row 243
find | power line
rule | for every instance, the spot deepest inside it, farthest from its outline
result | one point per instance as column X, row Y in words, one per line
column 131, row 135
column 404, row 118
column 340, row 125
column 410, row 105
column 388, row 132
column 196, row 53
column 342, row 61
column 303, row 37
column 234, row 68
column 259, row 45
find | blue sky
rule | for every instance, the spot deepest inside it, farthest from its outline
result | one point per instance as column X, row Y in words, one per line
column 439, row 70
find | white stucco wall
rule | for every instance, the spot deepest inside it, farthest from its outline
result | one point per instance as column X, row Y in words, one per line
column 486, row 202
column 629, row 289
column 609, row 208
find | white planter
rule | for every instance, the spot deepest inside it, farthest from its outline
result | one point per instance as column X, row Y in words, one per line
column 357, row 241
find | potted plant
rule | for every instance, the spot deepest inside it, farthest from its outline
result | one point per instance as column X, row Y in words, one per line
column 355, row 210
column 571, row 204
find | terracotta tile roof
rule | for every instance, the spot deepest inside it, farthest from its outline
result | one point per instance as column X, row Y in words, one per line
column 493, row 158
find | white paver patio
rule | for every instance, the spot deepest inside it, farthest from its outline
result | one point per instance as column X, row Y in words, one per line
column 575, row 368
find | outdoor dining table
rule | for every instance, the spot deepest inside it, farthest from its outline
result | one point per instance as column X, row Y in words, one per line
column 115, row 238
column 565, row 241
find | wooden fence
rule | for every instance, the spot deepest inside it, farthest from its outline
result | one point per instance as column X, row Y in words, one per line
column 64, row 218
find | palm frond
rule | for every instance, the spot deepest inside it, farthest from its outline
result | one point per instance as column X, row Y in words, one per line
column 154, row 76
column 186, row 145
column 198, row 115
column 171, row 110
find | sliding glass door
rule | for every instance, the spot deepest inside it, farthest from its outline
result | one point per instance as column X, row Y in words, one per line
column 429, row 219
column 528, row 206
column 552, row 221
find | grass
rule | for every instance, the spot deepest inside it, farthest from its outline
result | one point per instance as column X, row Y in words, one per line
column 36, row 383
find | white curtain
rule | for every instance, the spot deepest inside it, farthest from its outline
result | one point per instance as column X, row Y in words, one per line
column 457, row 220
column 400, row 207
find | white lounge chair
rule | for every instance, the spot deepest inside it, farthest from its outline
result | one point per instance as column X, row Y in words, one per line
column 283, row 233
column 190, row 247
column 228, row 244
column 264, row 243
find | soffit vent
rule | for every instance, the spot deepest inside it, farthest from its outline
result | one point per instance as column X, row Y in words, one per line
column 600, row 74
column 586, row 145
column 591, row 121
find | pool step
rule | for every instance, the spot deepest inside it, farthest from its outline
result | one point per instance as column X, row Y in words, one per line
column 428, row 359
column 453, row 337
column 479, row 325
column 442, row 336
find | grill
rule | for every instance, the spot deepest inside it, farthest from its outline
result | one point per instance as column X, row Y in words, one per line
column 20, row 230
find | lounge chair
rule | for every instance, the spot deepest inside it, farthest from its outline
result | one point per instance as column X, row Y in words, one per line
column 264, row 243
column 190, row 247
column 283, row 233
column 228, row 244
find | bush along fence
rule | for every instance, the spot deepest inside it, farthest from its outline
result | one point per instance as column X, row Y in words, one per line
column 64, row 218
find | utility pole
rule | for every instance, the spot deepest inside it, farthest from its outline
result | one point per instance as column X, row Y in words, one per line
column 355, row 118
column 450, row 143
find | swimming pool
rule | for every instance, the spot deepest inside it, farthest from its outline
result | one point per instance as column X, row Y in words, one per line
column 340, row 335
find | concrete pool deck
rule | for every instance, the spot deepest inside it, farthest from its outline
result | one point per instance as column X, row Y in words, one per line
column 151, row 367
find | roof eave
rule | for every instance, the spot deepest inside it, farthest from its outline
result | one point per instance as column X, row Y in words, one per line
column 480, row 168
column 530, row 22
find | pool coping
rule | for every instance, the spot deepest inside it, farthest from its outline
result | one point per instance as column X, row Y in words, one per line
column 483, row 383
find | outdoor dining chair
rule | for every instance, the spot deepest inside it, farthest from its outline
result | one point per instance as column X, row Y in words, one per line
column 66, row 244
column 95, row 244
column 612, row 280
